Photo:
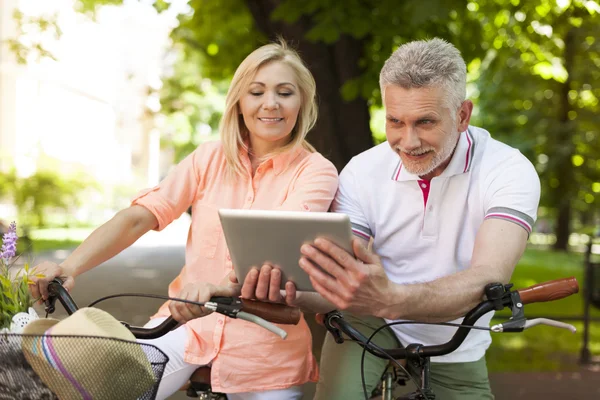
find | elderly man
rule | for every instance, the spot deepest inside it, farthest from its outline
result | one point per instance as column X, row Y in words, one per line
column 448, row 210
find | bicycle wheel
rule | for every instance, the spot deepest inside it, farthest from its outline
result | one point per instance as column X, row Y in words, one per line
column 48, row 367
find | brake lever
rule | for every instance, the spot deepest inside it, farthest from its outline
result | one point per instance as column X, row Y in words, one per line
column 522, row 324
column 50, row 302
column 227, row 306
column 50, row 305
column 550, row 322
column 232, row 308
column 512, row 325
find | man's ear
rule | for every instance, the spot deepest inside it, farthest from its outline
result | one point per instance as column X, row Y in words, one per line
column 464, row 115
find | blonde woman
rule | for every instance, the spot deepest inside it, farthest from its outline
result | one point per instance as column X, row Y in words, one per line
column 262, row 161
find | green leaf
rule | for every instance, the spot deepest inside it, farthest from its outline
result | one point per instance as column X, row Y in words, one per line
column 350, row 89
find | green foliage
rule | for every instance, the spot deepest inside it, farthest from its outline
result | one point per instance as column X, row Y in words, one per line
column 41, row 193
column 214, row 38
column 14, row 293
column 207, row 46
column 42, row 245
column 217, row 35
column 90, row 6
column 382, row 26
column 533, row 71
column 26, row 45
column 536, row 90
column 193, row 105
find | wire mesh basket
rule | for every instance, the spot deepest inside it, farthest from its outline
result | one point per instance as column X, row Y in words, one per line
column 48, row 367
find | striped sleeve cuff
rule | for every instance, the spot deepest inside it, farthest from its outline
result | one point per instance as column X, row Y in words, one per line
column 508, row 214
column 362, row 232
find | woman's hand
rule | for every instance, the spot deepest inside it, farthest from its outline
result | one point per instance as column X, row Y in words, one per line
column 265, row 285
column 42, row 274
column 198, row 292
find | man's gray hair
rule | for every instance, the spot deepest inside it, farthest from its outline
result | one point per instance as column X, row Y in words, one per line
column 427, row 63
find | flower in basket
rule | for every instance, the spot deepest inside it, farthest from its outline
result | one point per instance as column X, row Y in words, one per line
column 15, row 299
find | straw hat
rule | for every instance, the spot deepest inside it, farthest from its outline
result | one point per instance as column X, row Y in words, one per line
column 108, row 364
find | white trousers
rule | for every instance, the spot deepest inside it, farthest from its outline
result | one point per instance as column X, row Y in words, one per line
column 177, row 371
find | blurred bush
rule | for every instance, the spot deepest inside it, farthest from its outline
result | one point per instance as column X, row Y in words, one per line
column 43, row 193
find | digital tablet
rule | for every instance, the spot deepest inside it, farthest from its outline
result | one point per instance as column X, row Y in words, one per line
column 256, row 237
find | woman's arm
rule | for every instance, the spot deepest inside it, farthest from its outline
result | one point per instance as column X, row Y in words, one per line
column 108, row 240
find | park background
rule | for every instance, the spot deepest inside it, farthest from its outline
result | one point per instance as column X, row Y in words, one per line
column 100, row 98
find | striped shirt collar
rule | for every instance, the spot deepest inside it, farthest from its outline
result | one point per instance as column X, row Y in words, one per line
column 461, row 161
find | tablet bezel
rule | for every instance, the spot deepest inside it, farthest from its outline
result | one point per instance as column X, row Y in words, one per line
column 256, row 237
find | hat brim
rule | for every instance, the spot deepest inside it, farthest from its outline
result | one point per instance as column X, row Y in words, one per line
column 39, row 326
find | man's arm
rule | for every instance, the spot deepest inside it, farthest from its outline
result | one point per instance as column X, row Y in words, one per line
column 362, row 286
column 498, row 247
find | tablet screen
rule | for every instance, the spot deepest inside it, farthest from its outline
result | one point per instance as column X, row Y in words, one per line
column 256, row 237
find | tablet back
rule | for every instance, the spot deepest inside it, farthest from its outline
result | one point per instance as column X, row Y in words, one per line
column 255, row 237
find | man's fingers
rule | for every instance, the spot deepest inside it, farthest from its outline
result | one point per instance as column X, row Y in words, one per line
column 249, row 287
column 323, row 260
column 334, row 287
column 363, row 253
column 338, row 254
column 316, row 273
column 232, row 277
column 328, row 295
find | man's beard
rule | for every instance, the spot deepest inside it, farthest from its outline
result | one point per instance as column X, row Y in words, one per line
column 439, row 157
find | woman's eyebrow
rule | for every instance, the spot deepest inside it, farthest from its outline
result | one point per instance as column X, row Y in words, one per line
column 279, row 84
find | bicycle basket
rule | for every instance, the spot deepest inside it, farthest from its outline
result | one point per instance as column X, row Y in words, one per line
column 49, row 367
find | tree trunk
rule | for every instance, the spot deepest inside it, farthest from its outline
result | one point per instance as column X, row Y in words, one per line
column 566, row 175
column 343, row 129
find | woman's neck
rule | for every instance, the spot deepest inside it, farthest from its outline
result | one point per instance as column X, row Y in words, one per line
column 260, row 149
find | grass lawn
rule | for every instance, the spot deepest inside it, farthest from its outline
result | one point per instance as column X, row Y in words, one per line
column 544, row 348
column 52, row 239
column 41, row 245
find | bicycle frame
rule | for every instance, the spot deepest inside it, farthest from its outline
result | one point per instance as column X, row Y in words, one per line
column 418, row 356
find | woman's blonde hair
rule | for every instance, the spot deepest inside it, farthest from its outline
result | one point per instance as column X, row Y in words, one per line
column 232, row 128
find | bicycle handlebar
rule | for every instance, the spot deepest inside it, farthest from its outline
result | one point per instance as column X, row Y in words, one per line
column 497, row 300
column 230, row 306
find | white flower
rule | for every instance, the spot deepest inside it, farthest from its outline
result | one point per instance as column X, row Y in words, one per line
column 21, row 319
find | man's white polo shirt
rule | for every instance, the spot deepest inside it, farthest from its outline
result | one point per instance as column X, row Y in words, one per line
column 424, row 230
